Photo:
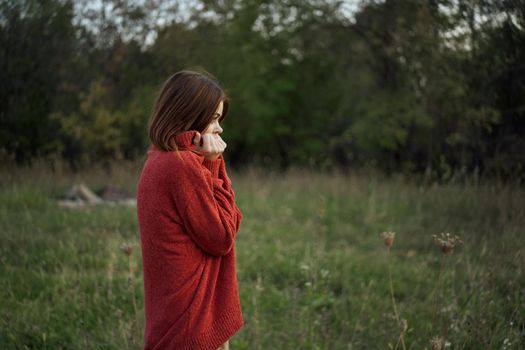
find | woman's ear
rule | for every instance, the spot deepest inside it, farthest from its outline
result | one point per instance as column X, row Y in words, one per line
column 197, row 139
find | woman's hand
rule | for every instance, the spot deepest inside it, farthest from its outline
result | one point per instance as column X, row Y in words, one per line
column 211, row 146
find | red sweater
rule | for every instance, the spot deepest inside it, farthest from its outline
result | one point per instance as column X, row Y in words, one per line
column 188, row 222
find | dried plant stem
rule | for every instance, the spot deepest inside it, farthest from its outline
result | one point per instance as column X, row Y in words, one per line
column 363, row 305
column 392, row 291
column 435, row 296
column 400, row 339
column 396, row 313
column 132, row 286
column 255, row 321
column 124, row 332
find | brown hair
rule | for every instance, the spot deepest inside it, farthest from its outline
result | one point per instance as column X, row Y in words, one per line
column 187, row 101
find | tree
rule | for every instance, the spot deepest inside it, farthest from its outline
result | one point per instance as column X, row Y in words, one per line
column 36, row 37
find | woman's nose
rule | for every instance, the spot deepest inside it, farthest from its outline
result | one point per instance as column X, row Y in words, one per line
column 218, row 129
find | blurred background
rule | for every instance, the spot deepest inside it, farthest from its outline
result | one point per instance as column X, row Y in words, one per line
column 348, row 119
column 421, row 87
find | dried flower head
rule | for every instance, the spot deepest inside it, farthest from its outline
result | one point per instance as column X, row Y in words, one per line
column 403, row 326
column 127, row 248
column 446, row 242
column 388, row 238
column 118, row 314
column 437, row 343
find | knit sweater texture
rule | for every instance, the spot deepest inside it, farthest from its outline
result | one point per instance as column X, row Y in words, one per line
column 188, row 223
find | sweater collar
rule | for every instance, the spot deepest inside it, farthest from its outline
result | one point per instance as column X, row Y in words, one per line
column 184, row 141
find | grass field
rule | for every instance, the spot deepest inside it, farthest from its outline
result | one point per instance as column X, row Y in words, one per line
column 313, row 271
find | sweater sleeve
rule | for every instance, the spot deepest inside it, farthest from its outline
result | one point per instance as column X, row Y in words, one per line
column 222, row 187
column 206, row 207
column 230, row 194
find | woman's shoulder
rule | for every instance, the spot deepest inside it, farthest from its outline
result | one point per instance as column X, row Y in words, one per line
column 181, row 161
column 181, row 156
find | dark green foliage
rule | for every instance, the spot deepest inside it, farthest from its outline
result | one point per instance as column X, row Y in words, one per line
column 434, row 87
column 36, row 38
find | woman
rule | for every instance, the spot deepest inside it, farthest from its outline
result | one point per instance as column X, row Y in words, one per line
column 188, row 220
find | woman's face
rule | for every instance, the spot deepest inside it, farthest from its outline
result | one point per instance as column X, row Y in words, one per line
column 214, row 127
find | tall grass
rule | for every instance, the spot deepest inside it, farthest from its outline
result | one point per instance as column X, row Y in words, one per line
column 311, row 268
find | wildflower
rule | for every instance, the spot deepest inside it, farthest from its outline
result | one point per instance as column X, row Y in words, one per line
column 403, row 326
column 127, row 248
column 118, row 313
column 304, row 266
column 437, row 343
column 259, row 285
column 446, row 242
column 388, row 238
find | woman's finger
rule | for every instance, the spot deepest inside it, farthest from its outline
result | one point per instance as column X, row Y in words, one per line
column 222, row 143
column 210, row 145
column 218, row 144
column 205, row 143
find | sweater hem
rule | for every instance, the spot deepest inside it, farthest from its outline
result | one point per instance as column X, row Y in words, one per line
column 222, row 330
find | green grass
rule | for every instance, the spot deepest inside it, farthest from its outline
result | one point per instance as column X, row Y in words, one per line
column 312, row 269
